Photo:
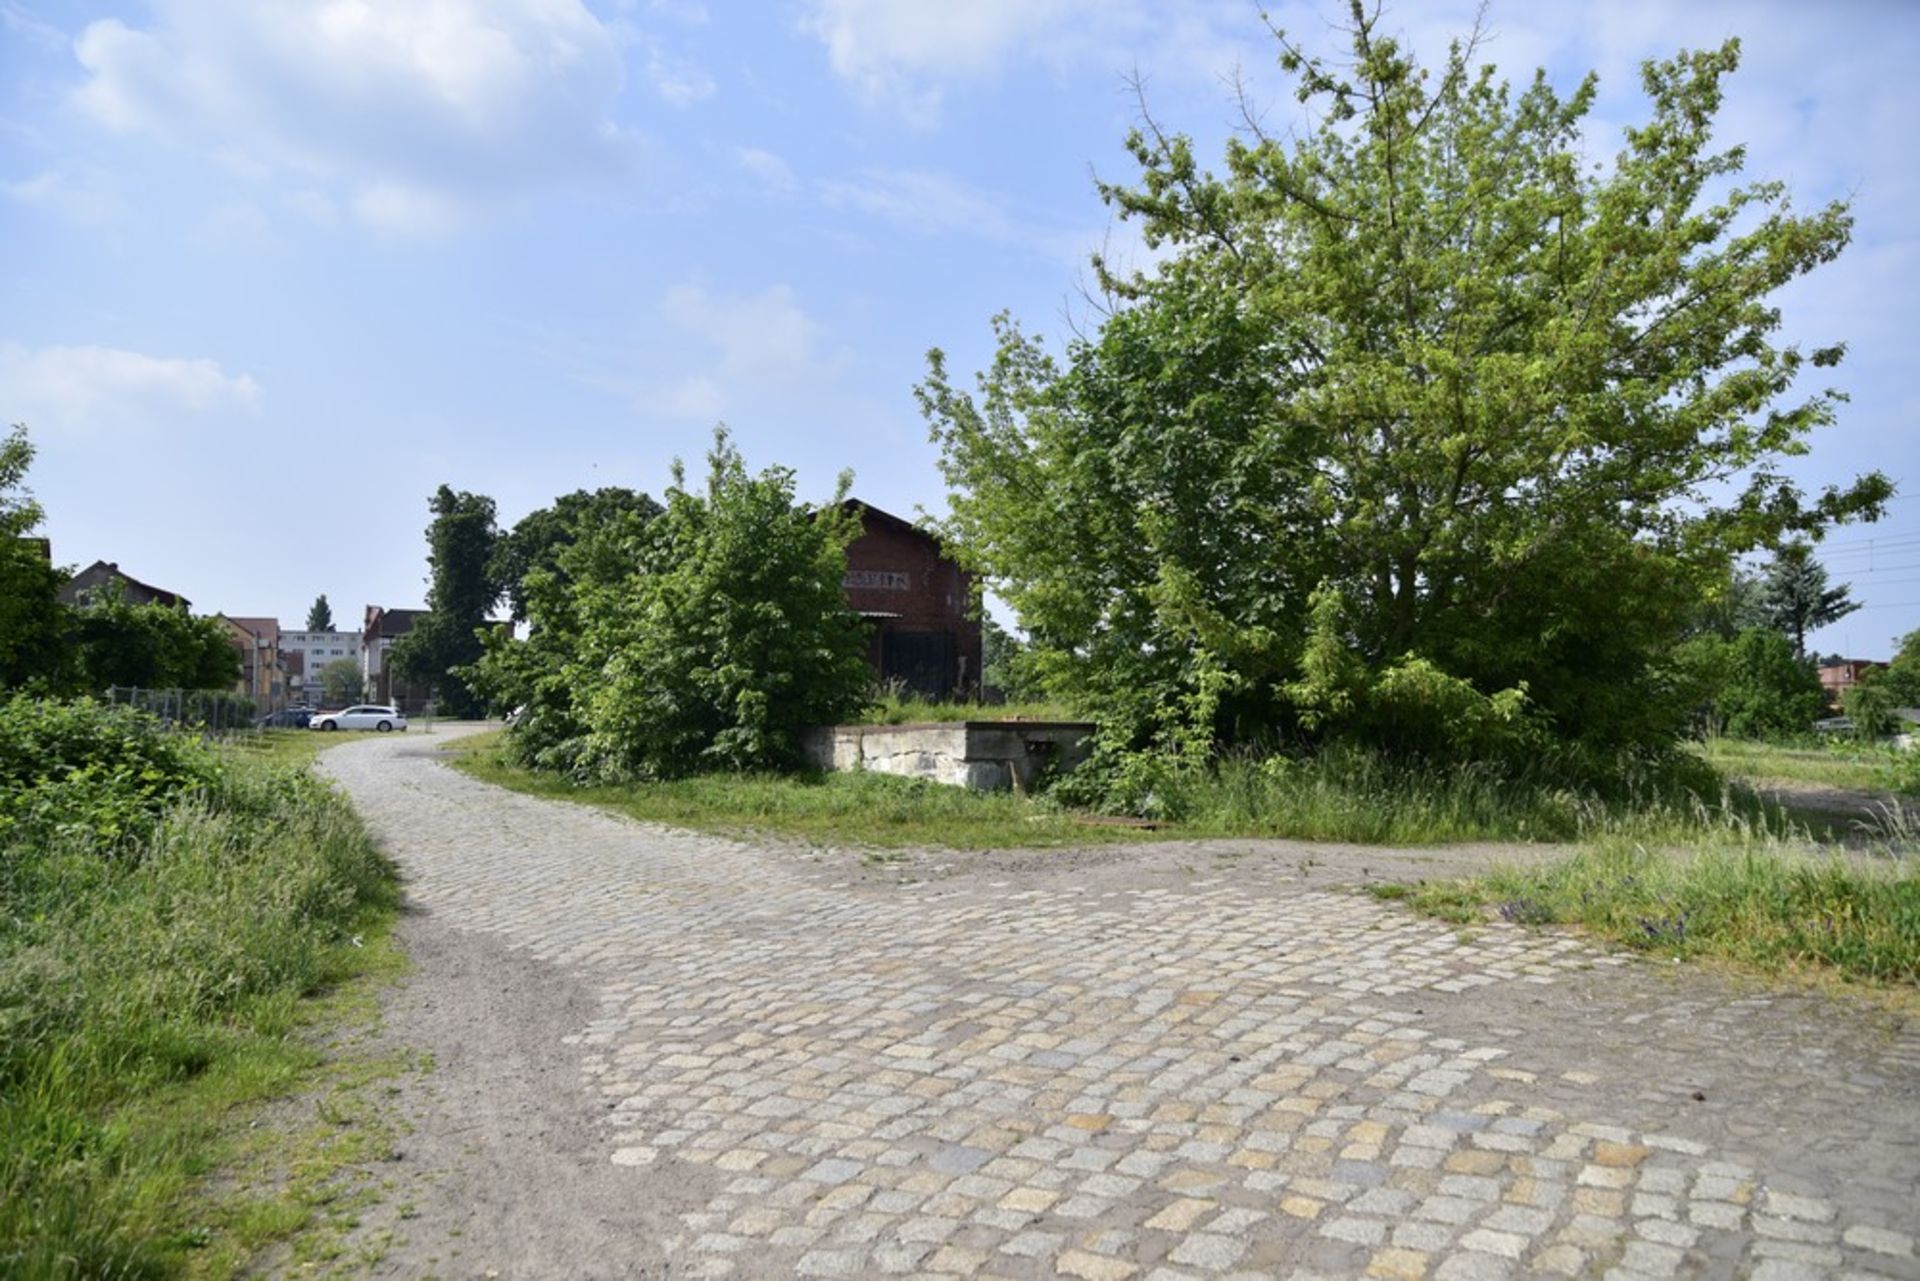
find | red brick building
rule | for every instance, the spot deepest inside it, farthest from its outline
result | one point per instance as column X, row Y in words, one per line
column 917, row 600
column 1838, row 678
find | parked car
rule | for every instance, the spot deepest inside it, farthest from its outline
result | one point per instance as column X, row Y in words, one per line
column 363, row 716
column 295, row 717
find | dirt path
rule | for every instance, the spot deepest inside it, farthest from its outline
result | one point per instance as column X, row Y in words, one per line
column 668, row 1055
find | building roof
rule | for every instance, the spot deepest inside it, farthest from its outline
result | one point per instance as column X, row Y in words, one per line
column 104, row 570
column 267, row 629
column 391, row 622
column 871, row 515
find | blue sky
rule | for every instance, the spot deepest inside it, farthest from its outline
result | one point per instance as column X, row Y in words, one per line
column 273, row 271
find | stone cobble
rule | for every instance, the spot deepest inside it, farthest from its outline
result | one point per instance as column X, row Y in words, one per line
column 1157, row 1069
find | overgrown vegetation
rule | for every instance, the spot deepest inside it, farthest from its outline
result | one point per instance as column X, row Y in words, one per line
column 892, row 707
column 163, row 911
column 1338, row 795
column 1762, row 906
column 701, row 638
column 1425, row 434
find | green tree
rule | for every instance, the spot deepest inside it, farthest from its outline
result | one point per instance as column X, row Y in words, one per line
column 1900, row 679
column 538, row 541
column 1507, row 415
column 151, row 646
column 320, row 615
column 1797, row 597
column 33, row 623
column 1003, row 662
column 727, row 633
column 340, row 682
column 461, row 590
column 1769, row 691
column 1872, row 709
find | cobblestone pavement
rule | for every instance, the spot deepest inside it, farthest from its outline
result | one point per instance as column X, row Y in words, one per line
column 1156, row 1064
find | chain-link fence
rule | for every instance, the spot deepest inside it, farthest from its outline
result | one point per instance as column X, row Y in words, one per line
column 210, row 711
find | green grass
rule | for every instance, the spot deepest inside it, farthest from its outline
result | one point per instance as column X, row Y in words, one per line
column 1770, row 908
column 897, row 709
column 151, row 998
column 1843, row 763
column 877, row 811
column 295, row 747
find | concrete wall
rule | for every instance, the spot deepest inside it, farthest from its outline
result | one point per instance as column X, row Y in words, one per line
column 986, row 756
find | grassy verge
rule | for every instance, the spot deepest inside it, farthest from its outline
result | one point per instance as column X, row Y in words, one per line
column 1844, row 764
column 1769, row 908
column 294, row 747
column 153, row 994
column 873, row 810
column 1335, row 797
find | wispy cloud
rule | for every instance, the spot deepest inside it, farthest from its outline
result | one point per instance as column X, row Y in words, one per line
column 455, row 103
column 103, row 390
column 80, row 195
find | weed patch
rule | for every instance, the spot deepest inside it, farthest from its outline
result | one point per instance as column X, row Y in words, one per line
column 1770, row 908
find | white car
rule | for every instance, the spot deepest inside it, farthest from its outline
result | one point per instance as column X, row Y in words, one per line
column 364, row 716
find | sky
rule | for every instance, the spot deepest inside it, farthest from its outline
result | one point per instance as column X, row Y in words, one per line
column 273, row 270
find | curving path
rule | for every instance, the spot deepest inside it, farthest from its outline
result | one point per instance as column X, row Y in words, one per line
column 662, row 1054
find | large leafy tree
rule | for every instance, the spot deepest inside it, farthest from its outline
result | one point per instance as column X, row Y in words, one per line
column 537, row 542
column 461, row 590
column 1422, row 422
column 1797, row 597
column 33, row 624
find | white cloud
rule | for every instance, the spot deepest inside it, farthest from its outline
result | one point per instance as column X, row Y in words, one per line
column 905, row 54
column 679, row 81
column 94, row 390
column 901, row 51
column 449, row 101
column 85, row 196
column 404, row 209
column 922, row 201
column 758, row 345
column 773, row 172
column 939, row 205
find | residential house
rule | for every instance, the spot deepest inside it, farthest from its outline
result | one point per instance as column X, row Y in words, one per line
column 263, row 675
column 93, row 580
column 381, row 629
column 919, row 602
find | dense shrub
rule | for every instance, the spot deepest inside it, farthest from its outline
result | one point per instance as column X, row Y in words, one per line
column 160, row 912
column 703, row 639
column 81, row 766
column 1768, row 691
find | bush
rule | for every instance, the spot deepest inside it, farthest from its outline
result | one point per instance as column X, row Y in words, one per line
column 718, row 633
column 132, row 961
column 1769, row 692
column 78, row 766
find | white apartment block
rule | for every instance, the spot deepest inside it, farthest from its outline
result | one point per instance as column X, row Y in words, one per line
column 318, row 649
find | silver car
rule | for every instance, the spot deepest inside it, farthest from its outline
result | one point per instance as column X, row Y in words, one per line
column 365, row 716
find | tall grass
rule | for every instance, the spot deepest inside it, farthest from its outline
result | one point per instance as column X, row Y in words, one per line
column 1344, row 794
column 1765, row 906
column 127, row 969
